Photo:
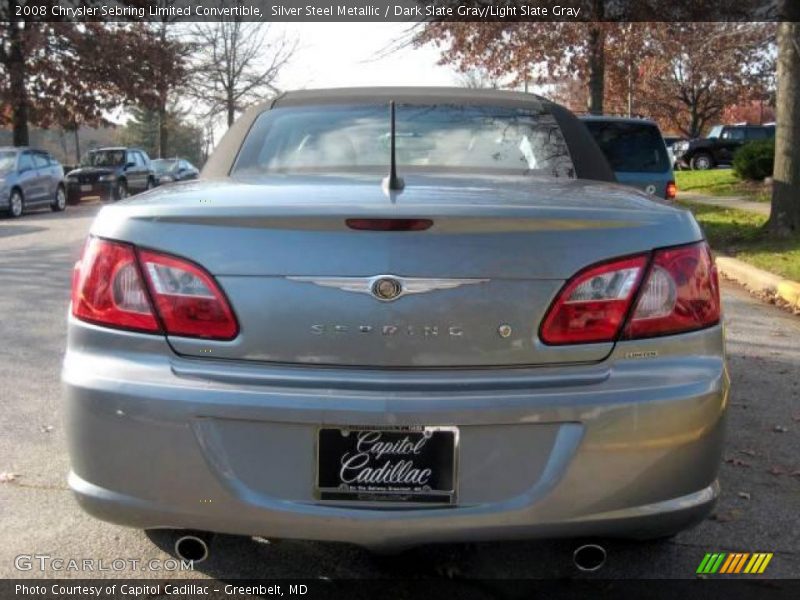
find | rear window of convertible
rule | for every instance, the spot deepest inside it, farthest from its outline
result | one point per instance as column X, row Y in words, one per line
column 348, row 138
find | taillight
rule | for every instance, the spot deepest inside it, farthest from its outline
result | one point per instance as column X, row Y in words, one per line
column 188, row 300
column 107, row 288
column 672, row 190
column 681, row 293
column 593, row 305
column 113, row 286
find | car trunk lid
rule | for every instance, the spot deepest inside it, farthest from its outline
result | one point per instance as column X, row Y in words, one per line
column 482, row 276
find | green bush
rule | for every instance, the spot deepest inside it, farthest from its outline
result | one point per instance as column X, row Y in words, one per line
column 754, row 160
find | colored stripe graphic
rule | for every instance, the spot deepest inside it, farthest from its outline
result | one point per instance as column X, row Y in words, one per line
column 715, row 567
column 754, row 562
column 741, row 562
column 767, row 558
column 711, row 563
column 703, row 563
column 734, row 563
column 730, row 563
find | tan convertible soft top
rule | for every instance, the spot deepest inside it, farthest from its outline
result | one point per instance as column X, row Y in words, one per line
column 589, row 161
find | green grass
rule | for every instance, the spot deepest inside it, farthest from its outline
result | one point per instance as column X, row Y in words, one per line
column 721, row 182
column 741, row 234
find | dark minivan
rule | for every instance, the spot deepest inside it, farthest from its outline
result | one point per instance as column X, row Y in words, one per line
column 636, row 151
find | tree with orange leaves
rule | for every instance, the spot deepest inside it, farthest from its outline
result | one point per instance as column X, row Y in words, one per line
column 59, row 73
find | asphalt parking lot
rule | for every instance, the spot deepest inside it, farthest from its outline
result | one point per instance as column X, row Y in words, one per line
column 760, row 478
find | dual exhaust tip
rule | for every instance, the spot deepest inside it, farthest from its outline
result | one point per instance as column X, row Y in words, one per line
column 194, row 547
column 589, row 557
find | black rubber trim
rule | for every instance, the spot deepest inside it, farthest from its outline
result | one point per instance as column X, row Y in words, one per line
column 588, row 159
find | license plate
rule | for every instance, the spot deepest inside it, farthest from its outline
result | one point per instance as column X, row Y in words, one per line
column 387, row 465
column 86, row 187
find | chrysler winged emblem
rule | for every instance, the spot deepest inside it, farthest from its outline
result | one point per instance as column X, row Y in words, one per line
column 388, row 287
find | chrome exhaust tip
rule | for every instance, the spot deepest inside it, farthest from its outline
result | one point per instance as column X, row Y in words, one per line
column 192, row 547
column 589, row 557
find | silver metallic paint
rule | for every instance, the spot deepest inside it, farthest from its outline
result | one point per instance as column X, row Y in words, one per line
column 613, row 439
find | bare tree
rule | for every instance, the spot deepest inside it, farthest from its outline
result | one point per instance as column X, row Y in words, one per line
column 478, row 79
column 167, row 57
column 237, row 63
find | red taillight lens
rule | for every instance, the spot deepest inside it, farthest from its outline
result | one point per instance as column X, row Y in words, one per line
column 187, row 298
column 107, row 288
column 672, row 190
column 681, row 293
column 593, row 305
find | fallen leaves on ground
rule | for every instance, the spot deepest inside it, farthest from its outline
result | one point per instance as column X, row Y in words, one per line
column 727, row 516
column 737, row 462
column 744, row 495
column 6, row 477
column 776, row 470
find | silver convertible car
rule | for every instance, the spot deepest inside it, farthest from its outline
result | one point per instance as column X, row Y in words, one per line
column 396, row 316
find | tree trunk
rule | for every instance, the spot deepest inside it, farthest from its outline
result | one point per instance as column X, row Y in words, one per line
column 785, row 213
column 17, row 77
column 694, row 126
column 76, row 132
column 597, row 69
column 163, row 132
column 231, row 111
column 630, row 88
column 62, row 140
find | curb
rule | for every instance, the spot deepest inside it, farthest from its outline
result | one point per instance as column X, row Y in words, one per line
column 759, row 281
column 789, row 291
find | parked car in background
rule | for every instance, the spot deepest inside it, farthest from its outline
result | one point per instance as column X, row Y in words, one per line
column 670, row 141
column 636, row 151
column 719, row 146
column 30, row 178
column 110, row 174
column 168, row 170
column 411, row 315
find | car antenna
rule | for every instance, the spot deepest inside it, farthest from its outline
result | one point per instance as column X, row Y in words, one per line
column 392, row 182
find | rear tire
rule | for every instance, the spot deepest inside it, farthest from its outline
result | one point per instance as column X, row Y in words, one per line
column 702, row 162
column 120, row 190
column 60, row 201
column 16, row 204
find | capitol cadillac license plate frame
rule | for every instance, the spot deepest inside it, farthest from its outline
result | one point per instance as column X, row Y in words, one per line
column 385, row 497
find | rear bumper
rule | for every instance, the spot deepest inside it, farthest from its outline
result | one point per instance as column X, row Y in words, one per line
column 103, row 190
column 629, row 447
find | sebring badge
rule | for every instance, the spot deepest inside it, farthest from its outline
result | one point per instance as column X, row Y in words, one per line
column 388, row 287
